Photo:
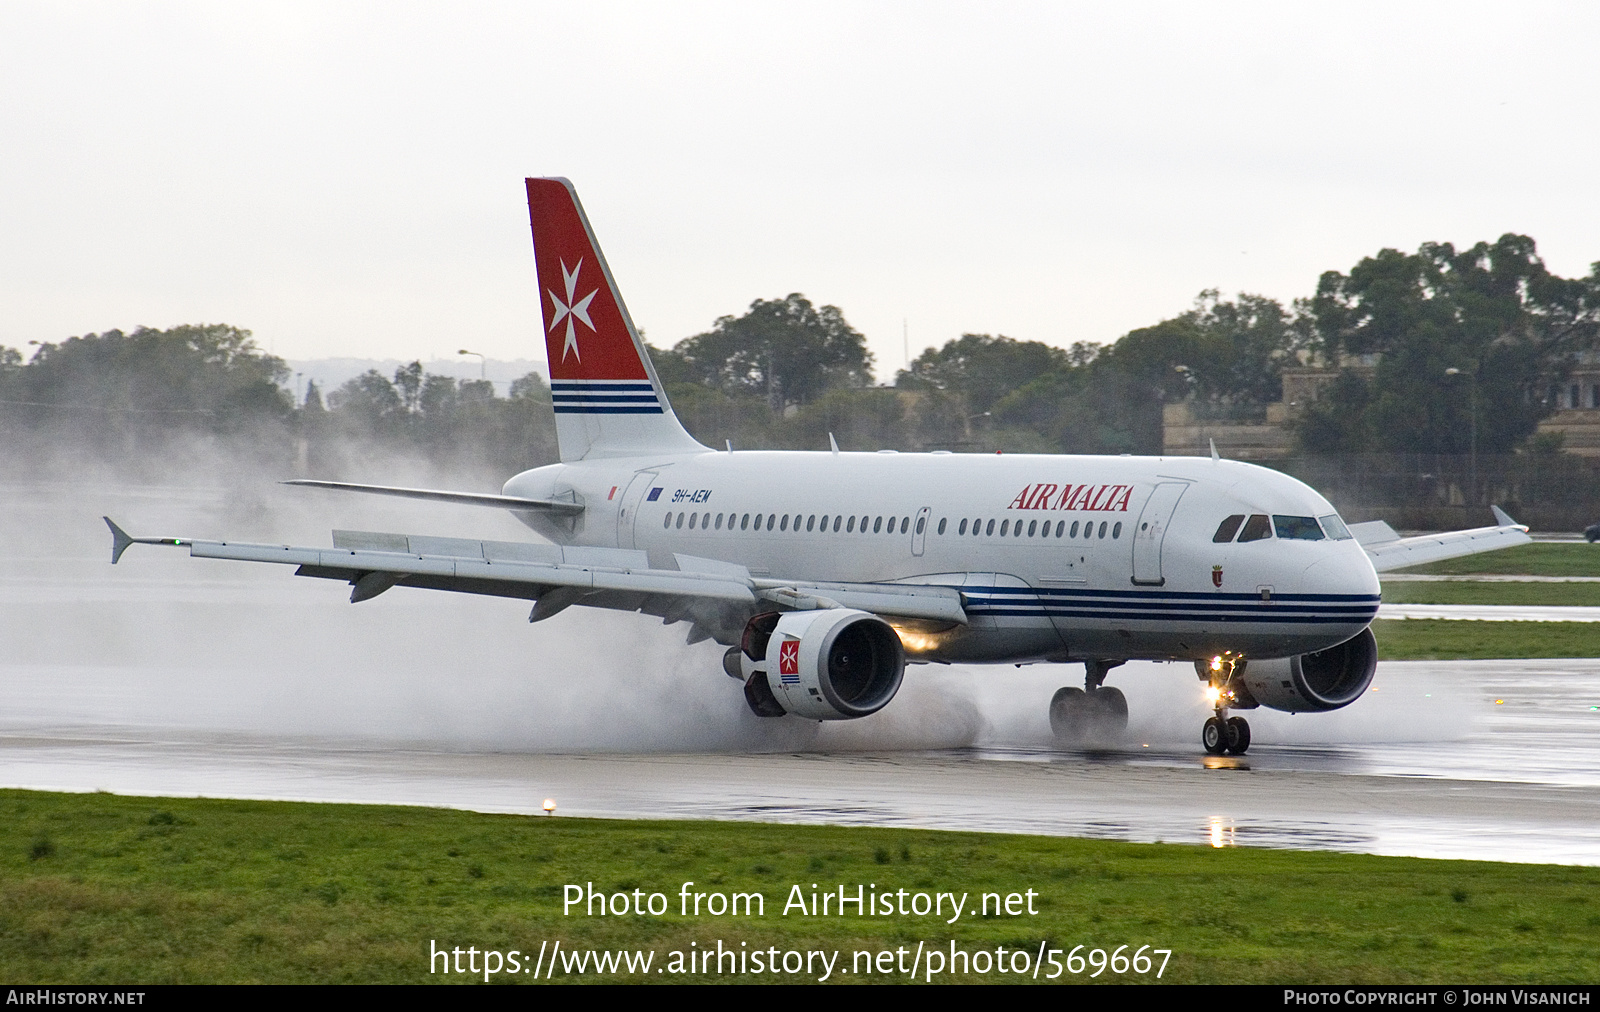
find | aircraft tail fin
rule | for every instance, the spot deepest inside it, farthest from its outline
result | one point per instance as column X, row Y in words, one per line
column 608, row 399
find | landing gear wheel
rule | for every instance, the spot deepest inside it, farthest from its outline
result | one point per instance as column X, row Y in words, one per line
column 1214, row 736
column 1110, row 707
column 1238, row 735
column 1080, row 718
column 1069, row 713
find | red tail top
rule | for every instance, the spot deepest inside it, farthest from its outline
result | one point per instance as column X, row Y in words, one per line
column 585, row 333
column 607, row 398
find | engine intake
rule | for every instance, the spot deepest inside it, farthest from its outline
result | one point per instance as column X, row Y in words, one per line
column 1312, row 683
column 833, row 664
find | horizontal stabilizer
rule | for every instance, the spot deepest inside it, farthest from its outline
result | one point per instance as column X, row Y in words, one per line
column 505, row 502
column 1399, row 553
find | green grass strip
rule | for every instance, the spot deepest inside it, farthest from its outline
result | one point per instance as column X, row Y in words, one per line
column 1445, row 640
column 1538, row 559
column 100, row 888
column 1563, row 594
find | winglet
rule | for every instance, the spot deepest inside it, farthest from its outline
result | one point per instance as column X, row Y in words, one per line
column 120, row 540
column 1214, row 455
column 1503, row 518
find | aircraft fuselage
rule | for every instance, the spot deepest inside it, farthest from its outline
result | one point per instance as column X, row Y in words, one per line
column 1057, row 557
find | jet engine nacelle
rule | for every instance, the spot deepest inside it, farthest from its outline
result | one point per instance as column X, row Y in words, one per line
column 1311, row 683
column 832, row 664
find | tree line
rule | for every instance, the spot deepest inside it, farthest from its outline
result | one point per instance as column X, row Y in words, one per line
column 1413, row 342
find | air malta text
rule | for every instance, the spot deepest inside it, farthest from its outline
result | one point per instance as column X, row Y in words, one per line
column 1095, row 498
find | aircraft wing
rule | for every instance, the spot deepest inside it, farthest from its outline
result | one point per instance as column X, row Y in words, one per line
column 1388, row 550
column 556, row 577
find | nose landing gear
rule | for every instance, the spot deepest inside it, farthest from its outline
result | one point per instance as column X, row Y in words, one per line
column 1221, row 733
column 1094, row 714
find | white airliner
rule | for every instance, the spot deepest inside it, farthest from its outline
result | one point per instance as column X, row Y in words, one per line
column 826, row 573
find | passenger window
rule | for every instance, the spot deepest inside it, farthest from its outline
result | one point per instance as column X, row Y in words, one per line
column 905, row 524
column 962, row 530
column 692, row 518
column 877, row 526
column 1257, row 528
column 744, row 522
column 1074, row 532
column 772, row 518
column 1116, row 532
column 1003, row 525
column 921, row 523
column 942, row 522
column 1060, row 525
column 836, row 522
column 1102, row 528
column 1227, row 529
column 990, row 529
column 1033, row 525
column 811, row 523
column 719, row 521
column 666, row 521
column 783, row 524
column 850, row 527
column 679, row 524
column 1297, row 528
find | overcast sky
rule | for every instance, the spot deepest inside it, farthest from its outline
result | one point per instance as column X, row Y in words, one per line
column 346, row 179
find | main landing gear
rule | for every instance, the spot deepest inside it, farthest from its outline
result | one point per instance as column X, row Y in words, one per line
column 1221, row 733
column 1094, row 714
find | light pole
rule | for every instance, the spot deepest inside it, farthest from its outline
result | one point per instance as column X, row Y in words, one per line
column 483, row 363
column 1472, row 458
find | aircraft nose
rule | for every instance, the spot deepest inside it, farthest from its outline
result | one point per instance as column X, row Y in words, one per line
column 1344, row 573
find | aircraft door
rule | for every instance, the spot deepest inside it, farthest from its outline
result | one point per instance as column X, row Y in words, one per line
column 1151, row 530
column 627, row 510
column 919, row 530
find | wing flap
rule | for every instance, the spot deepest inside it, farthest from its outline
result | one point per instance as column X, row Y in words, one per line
column 937, row 603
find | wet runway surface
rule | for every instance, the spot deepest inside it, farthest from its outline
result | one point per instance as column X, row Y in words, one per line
column 1515, row 780
column 166, row 675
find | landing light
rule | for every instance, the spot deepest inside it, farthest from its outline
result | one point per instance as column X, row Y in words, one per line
column 549, row 806
column 1213, row 694
column 1216, row 664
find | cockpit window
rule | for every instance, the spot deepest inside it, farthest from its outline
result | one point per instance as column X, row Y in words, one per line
column 1335, row 527
column 1257, row 528
column 1298, row 528
column 1227, row 529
